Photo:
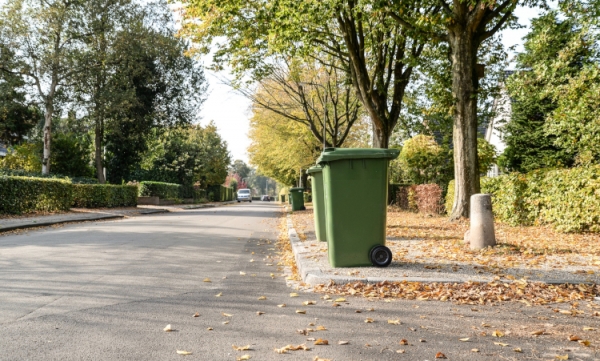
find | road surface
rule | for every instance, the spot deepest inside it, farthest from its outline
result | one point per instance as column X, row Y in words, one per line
column 106, row 291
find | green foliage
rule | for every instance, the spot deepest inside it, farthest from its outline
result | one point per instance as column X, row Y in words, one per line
column 159, row 189
column 423, row 161
column 486, row 155
column 552, row 105
column 220, row 193
column 20, row 195
column 25, row 157
column 240, row 168
column 188, row 155
column 104, row 195
column 567, row 199
column 71, row 156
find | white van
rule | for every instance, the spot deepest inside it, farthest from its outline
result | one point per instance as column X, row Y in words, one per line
column 245, row 195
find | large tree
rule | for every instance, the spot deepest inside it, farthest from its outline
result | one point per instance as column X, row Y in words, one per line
column 464, row 26
column 315, row 95
column 44, row 36
column 378, row 53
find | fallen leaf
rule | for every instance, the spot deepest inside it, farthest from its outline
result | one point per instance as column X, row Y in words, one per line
column 281, row 305
column 287, row 348
column 464, row 339
column 294, row 294
column 242, row 273
column 226, row 314
column 370, row 309
column 585, row 343
column 219, row 294
column 241, row 348
column 262, row 298
column 321, row 328
column 210, row 329
column 197, row 314
column 307, row 303
column 563, row 357
column 403, row 342
column 168, row 328
column 335, row 304
column 574, row 338
column 369, row 320
column 226, row 322
column 341, row 299
column 500, row 344
column 518, row 349
column 252, row 260
column 207, row 280
column 474, row 350
column 394, row 322
column 538, row 333
column 183, row 352
column 243, row 358
column 400, row 351
column 317, row 358
column 440, row 355
column 589, row 329
column 343, row 342
column 320, row 341
column 422, row 340
column 358, row 311
column 260, row 313
column 497, row 333
column 302, row 312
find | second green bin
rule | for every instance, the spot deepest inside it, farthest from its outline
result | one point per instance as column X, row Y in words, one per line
column 355, row 182
column 297, row 198
column 318, row 201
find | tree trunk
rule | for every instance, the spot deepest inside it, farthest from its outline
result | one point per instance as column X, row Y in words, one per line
column 99, row 156
column 380, row 139
column 47, row 137
column 464, row 90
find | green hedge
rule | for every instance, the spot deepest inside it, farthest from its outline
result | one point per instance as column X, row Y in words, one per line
column 567, row 199
column 26, row 194
column 104, row 195
column 220, row 193
column 160, row 189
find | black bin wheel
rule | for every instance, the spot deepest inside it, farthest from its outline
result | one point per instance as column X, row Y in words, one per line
column 381, row 256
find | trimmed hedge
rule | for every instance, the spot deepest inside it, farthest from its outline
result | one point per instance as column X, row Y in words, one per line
column 159, row 189
column 567, row 199
column 20, row 195
column 104, row 195
column 220, row 193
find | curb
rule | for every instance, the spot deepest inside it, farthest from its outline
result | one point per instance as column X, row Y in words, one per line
column 199, row 206
column 312, row 274
column 47, row 224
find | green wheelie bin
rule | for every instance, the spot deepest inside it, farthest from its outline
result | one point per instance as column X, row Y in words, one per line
column 355, row 183
column 297, row 197
column 318, row 201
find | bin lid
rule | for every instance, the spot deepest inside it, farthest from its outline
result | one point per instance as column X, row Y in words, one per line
column 333, row 154
column 315, row 169
column 297, row 189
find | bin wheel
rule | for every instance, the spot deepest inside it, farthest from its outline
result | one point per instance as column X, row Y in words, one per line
column 381, row 256
column 239, row 201
column 250, row 201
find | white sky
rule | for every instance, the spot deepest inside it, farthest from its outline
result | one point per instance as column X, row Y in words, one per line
column 231, row 111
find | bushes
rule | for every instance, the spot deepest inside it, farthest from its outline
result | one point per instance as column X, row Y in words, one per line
column 159, row 189
column 104, row 195
column 25, row 195
column 567, row 199
column 220, row 193
column 422, row 198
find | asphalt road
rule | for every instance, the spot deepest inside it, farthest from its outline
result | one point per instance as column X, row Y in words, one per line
column 106, row 290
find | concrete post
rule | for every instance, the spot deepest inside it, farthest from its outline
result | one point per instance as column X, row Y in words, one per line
column 481, row 234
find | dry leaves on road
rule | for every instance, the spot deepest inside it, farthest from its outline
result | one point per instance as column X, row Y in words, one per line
column 530, row 293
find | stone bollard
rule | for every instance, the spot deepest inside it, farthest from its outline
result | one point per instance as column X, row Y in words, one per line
column 481, row 234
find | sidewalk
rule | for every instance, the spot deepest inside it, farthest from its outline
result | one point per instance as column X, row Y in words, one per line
column 11, row 223
column 411, row 265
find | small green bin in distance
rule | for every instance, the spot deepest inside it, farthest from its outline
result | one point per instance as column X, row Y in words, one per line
column 282, row 196
column 355, row 183
column 290, row 198
column 297, row 197
column 318, row 201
